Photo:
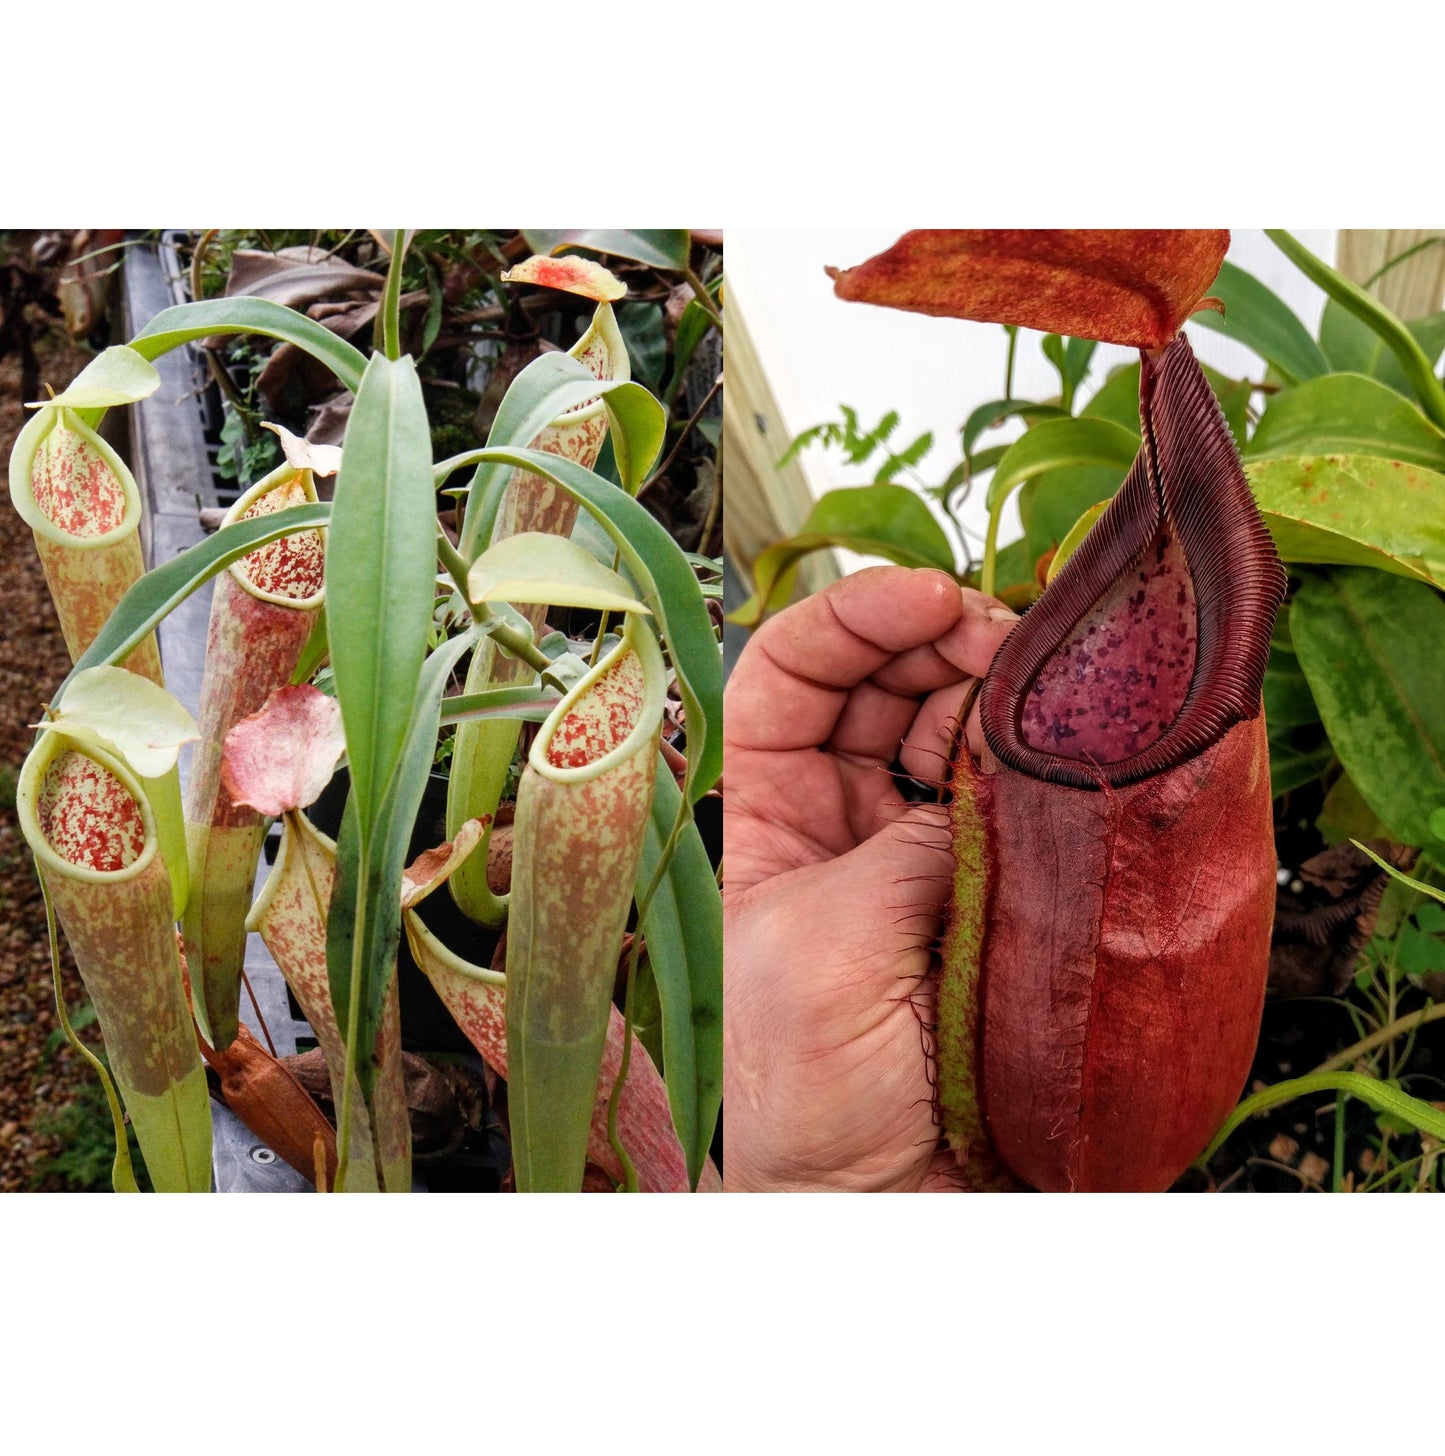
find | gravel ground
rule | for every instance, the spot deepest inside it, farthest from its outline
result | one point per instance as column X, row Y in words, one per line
column 35, row 1086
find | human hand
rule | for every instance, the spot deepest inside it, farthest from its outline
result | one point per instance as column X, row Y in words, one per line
column 835, row 884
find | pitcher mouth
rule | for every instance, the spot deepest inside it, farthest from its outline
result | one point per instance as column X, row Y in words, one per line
column 1152, row 641
column 40, row 827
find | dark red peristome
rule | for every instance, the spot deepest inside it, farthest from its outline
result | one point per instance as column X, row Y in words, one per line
column 1153, row 638
column 1129, row 875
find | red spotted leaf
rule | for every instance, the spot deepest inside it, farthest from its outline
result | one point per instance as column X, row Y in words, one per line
column 1133, row 286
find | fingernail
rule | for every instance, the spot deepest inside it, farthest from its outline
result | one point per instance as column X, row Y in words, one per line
column 1001, row 613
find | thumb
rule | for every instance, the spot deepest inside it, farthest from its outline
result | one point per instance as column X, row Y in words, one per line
column 908, row 865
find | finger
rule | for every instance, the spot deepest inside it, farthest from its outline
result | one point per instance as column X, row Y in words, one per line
column 970, row 643
column 793, row 680
column 872, row 722
column 928, row 744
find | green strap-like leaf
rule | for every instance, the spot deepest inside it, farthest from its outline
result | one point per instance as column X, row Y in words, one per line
column 875, row 520
column 380, row 565
column 1346, row 414
column 668, row 585
column 1260, row 320
column 683, row 929
column 364, row 924
column 531, row 704
column 1369, row 644
column 1379, row 1095
column 187, row 321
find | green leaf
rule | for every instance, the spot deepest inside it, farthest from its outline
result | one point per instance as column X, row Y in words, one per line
column 1288, row 703
column 683, row 928
column 536, row 567
column 364, row 923
column 1051, row 503
column 1369, row 645
column 692, row 328
column 904, row 459
column 380, row 565
column 1053, row 350
column 1056, row 443
column 668, row 585
column 1078, row 355
column 1352, row 346
column 1400, row 341
column 1075, row 536
column 1345, row 815
column 1419, row 954
column 531, row 704
column 1354, row 511
column 661, row 248
column 548, row 387
column 1431, row 916
column 1013, row 567
column 188, row 321
column 996, row 411
column 1292, row 764
column 1380, row 1095
column 1260, row 320
column 875, row 520
column 1346, row 414
column 641, row 326
column 1117, row 399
